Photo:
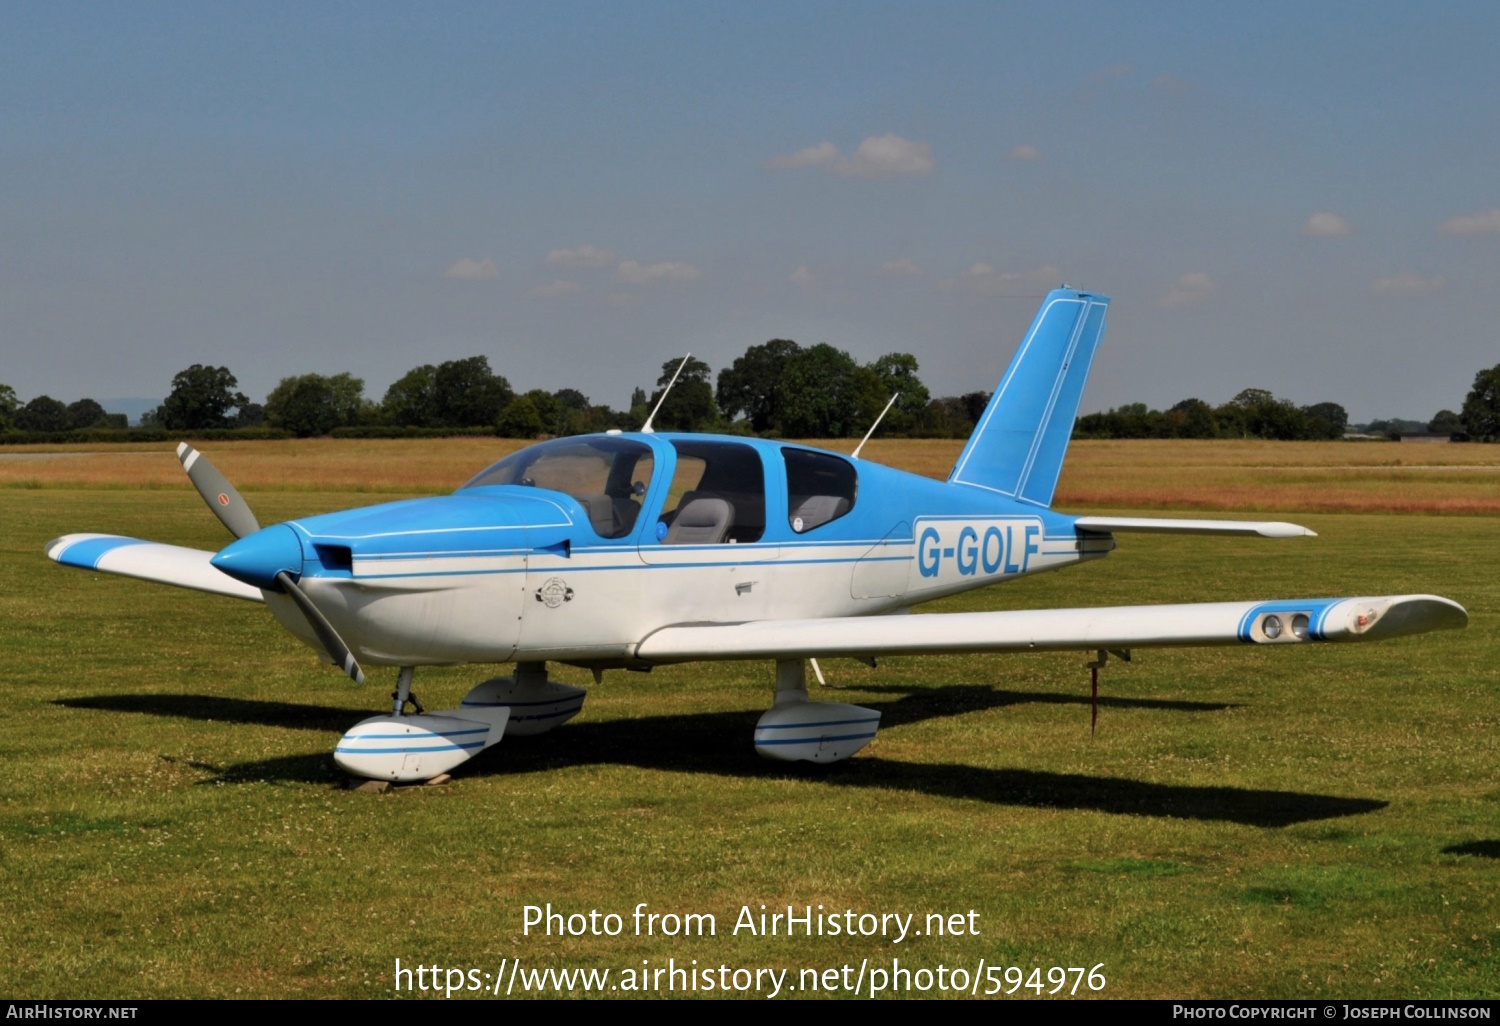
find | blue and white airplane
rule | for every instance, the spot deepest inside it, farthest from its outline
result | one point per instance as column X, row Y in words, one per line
column 630, row 550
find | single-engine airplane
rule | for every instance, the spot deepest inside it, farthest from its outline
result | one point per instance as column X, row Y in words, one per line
column 630, row 550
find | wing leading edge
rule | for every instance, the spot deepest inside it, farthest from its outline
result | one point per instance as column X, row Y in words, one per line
column 1291, row 621
column 148, row 561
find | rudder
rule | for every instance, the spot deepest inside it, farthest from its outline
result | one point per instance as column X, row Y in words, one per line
column 1018, row 446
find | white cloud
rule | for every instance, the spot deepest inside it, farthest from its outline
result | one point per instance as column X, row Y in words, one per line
column 824, row 154
column 633, row 273
column 879, row 156
column 803, row 277
column 888, row 156
column 1026, row 152
column 582, row 257
column 469, row 269
column 1326, row 225
column 905, row 267
column 1407, row 283
column 1189, row 289
column 986, row 280
column 1046, row 275
column 556, row 290
column 1484, row 222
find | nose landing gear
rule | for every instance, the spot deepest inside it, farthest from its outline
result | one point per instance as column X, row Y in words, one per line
column 409, row 748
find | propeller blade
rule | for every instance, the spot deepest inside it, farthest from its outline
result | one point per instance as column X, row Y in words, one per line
column 323, row 629
column 216, row 490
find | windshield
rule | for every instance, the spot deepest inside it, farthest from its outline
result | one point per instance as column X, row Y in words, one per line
column 606, row 476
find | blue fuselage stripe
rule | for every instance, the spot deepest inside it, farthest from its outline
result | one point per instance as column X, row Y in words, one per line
column 412, row 749
column 825, row 723
column 809, row 740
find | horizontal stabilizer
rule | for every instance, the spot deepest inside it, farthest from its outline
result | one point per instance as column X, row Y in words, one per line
column 1290, row 621
column 1264, row 528
column 149, row 561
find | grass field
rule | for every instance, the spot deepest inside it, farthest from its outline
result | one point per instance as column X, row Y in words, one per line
column 1318, row 821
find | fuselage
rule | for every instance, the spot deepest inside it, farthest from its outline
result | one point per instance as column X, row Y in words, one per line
column 576, row 550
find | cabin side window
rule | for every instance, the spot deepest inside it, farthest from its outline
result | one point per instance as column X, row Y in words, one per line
column 717, row 495
column 820, row 488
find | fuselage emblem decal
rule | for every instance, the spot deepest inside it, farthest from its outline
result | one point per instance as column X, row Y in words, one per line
column 554, row 593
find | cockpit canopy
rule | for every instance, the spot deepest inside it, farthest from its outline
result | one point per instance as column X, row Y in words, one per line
column 606, row 476
column 716, row 495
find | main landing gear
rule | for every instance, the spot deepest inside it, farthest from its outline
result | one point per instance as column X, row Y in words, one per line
column 797, row 730
column 410, row 748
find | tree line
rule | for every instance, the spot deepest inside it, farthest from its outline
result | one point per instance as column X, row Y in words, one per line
column 777, row 388
column 1257, row 413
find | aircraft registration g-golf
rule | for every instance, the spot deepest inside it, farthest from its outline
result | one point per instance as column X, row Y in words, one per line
column 630, row 550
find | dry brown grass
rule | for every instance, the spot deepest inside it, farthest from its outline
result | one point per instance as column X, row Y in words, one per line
column 1144, row 474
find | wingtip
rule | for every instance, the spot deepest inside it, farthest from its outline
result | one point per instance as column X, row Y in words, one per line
column 1282, row 529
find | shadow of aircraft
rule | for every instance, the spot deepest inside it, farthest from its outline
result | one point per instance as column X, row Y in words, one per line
column 291, row 715
column 694, row 743
column 1484, row 849
column 929, row 703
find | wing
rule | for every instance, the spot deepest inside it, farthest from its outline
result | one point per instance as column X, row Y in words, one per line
column 1264, row 528
column 149, row 561
column 1033, row 630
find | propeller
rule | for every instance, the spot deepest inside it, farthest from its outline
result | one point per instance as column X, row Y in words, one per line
column 216, row 490
column 234, row 513
column 323, row 629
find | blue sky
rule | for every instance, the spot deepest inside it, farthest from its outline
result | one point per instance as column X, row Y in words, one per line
column 1304, row 198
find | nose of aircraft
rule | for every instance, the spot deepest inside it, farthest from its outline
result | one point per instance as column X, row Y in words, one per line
column 257, row 558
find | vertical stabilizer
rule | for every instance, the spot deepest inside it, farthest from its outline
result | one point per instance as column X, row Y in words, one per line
column 1017, row 448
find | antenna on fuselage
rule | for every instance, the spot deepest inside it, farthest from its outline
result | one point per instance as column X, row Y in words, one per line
column 646, row 428
column 862, row 441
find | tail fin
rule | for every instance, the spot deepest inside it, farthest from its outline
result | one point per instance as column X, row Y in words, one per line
column 1017, row 448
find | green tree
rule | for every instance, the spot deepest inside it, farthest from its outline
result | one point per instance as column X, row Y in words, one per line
column 575, row 415
column 1446, row 422
column 547, row 408
column 86, row 413
column 898, row 373
column 8, row 405
column 519, row 419
column 311, row 404
column 1481, row 412
column 201, row 397
column 43, row 413
column 250, row 415
column 819, row 394
column 1256, row 412
column 1325, row 420
column 1193, row 418
column 412, row 400
column 748, row 386
column 690, row 404
column 945, row 417
column 975, row 404
column 466, row 393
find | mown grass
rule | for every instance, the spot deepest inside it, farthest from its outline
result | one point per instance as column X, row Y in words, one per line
column 1316, row 821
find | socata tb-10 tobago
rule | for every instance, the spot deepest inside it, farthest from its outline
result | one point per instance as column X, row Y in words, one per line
column 631, row 550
